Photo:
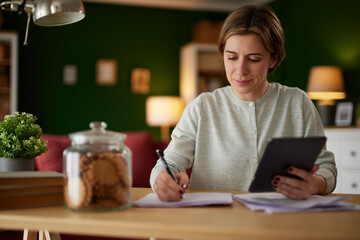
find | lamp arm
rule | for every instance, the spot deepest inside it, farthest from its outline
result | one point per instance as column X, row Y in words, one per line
column 13, row 5
column 29, row 9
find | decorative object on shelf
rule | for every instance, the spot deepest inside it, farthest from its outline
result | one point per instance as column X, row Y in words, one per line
column 206, row 32
column 20, row 142
column 47, row 12
column 106, row 72
column 344, row 113
column 164, row 111
column 140, row 80
column 326, row 85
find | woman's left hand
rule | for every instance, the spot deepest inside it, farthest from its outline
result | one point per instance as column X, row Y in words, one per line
column 299, row 189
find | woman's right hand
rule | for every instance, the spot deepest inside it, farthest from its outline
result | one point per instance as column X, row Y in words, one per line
column 167, row 189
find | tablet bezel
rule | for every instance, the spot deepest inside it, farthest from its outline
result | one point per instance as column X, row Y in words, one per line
column 281, row 153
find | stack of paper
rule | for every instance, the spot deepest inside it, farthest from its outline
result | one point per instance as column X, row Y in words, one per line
column 278, row 203
column 190, row 199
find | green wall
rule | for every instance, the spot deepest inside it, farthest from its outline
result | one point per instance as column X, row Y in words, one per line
column 135, row 37
column 317, row 33
column 321, row 33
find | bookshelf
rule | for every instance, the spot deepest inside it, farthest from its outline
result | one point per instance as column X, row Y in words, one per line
column 201, row 70
column 8, row 73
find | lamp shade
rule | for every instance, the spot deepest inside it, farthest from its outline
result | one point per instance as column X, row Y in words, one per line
column 326, row 83
column 57, row 12
column 163, row 110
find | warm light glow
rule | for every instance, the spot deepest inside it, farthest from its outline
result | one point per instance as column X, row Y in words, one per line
column 326, row 83
column 327, row 95
column 164, row 111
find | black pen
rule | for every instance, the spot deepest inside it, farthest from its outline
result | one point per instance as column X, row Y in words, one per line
column 161, row 155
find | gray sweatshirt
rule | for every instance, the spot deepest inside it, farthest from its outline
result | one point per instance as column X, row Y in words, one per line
column 223, row 137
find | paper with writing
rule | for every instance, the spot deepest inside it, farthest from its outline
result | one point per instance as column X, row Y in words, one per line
column 190, row 200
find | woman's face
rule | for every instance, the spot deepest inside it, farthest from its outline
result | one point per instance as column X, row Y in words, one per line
column 246, row 64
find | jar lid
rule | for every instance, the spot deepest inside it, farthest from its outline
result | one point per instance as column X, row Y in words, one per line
column 97, row 134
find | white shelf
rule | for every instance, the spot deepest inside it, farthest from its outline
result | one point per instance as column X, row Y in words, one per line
column 345, row 144
column 201, row 69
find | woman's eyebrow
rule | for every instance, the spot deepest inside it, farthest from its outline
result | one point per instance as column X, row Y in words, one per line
column 232, row 52
column 249, row 54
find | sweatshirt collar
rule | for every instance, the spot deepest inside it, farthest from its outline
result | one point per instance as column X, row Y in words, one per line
column 258, row 101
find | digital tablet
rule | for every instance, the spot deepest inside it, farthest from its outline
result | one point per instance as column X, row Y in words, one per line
column 281, row 153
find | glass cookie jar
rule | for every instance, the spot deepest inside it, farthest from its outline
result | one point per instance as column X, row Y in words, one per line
column 97, row 170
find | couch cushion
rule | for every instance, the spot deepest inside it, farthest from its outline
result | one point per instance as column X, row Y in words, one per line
column 143, row 155
column 140, row 144
column 53, row 159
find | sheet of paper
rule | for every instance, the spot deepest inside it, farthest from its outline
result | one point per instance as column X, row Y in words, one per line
column 190, row 200
column 278, row 203
column 277, row 199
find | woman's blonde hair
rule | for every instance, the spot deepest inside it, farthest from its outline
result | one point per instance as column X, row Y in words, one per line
column 259, row 20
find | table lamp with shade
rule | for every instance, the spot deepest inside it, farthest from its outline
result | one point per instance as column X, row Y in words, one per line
column 326, row 84
column 164, row 111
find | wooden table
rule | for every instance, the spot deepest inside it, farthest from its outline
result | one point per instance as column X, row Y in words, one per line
column 216, row 222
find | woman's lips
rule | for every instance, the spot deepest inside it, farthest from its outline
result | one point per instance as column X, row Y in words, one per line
column 242, row 82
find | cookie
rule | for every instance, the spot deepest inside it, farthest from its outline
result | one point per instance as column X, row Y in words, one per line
column 77, row 193
column 105, row 172
column 103, row 182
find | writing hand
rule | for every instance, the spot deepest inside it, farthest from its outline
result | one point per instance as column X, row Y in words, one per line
column 167, row 189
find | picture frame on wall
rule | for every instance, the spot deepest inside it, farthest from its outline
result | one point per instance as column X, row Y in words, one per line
column 140, row 80
column 344, row 114
column 106, row 72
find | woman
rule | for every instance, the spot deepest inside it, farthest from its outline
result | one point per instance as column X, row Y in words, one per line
column 222, row 135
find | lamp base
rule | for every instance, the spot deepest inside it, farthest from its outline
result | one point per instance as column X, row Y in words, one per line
column 327, row 114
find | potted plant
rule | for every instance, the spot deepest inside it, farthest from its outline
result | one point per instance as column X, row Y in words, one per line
column 20, row 142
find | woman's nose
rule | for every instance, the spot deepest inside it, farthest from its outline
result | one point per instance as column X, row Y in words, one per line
column 242, row 67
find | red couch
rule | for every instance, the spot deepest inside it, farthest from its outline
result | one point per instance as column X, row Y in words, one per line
column 140, row 143
column 143, row 159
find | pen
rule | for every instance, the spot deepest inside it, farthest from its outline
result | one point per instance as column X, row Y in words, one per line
column 161, row 155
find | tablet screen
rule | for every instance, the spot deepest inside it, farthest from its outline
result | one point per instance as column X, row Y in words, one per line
column 281, row 153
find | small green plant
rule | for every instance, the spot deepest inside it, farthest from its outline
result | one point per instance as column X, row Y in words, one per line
column 20, row 137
